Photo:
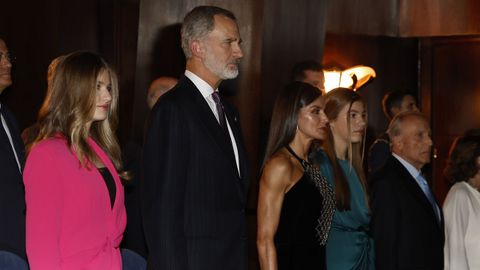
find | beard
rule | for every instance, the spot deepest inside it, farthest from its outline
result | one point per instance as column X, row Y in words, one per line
column 219, row 69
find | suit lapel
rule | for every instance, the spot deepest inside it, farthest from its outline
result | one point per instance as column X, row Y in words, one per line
column 15, row 134
column 412, row 185
column 202, row 111
column 237, row 134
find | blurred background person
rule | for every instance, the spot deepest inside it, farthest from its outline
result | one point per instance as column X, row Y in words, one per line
column 159, row 87
column 30, row 133
column 349, row 244
column 393, row 103
column 296, row 204
column 462, row 204
column 310, row 72
column 12, row 195
column 75, row 200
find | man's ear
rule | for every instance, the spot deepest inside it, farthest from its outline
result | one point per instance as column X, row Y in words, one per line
column 396, row 144
column 197, row 48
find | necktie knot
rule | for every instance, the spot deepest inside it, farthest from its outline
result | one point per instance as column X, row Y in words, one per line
column 216, row 97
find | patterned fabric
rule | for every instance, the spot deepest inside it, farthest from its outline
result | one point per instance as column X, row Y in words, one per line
column 328, row 201
column 328, row 197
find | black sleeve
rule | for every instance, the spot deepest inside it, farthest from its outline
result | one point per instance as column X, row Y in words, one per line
column 378, row 154
column 163, row 190
column 385, row 222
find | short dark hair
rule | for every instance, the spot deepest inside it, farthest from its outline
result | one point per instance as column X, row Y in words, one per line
column 298, row 71
column 198, row 23
column 393, row 99
column 462, row 160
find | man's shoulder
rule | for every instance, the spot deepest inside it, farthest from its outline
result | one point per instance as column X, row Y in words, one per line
column 182, row 92
column 383, row 141
column 391, row 169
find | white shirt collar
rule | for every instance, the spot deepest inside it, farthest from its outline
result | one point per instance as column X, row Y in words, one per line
column 410, row 168
column 201, row 85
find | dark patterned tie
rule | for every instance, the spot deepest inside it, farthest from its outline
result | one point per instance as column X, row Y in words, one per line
column 221, row 113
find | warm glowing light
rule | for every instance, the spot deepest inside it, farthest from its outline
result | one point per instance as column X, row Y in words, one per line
column 352, row 78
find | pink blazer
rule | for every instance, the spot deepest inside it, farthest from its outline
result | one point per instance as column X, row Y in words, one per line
column 70, row 222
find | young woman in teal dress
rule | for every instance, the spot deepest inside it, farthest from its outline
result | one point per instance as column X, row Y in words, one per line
column 349, row 245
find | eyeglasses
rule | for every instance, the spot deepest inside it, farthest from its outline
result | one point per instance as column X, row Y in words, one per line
column 7, row 56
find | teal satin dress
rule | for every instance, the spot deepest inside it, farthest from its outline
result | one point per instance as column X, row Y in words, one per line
column 349, row 245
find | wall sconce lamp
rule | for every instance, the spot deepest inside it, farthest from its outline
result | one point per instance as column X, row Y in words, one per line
column 352, row 78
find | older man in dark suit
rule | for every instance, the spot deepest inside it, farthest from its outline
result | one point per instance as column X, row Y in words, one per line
column 12, row 194
column 195, row 169
column 407, row 221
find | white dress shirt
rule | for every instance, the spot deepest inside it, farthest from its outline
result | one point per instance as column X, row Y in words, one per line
column 5, row 126
column 206, row 90
column 417, row 175
column 462, row 228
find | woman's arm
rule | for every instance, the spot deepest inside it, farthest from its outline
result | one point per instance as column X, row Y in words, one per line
column 44, row 202
column 273, row 184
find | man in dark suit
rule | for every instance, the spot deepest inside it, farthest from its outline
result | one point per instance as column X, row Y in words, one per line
column 407, row 222
column 12, row 194
column 195, row 169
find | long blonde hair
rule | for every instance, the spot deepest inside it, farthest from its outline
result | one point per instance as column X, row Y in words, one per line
column 70, row 104
column 336, row 100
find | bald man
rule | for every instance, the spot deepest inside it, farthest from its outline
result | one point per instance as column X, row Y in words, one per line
column 407, row 221
column 159, row 87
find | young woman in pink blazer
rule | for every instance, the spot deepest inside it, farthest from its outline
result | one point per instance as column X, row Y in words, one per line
column 75, row 201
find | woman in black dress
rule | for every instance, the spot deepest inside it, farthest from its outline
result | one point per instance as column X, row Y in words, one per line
column 296, row 204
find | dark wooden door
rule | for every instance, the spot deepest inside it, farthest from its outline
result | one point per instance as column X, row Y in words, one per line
column 450, row 95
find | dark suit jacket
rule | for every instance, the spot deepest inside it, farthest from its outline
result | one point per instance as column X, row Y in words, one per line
column 193, row 198
column 406, row 231
column 378, row 153
column 12, row 192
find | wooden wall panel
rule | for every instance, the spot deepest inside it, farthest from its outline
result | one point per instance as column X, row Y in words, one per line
column 404, row 18
column 47, row 29
column 451, row 87
column 293, row 32
column 38, row 34
column 369, row 17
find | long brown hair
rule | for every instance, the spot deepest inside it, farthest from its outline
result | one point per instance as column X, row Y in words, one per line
column 70, row 104
column 336, row 100
column 285, row 114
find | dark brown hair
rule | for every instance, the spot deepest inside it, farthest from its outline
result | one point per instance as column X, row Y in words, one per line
column 285, row 114
column 462, row 160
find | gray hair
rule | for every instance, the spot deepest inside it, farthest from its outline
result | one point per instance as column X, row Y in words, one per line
column 395, row 126
column 198, row 23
